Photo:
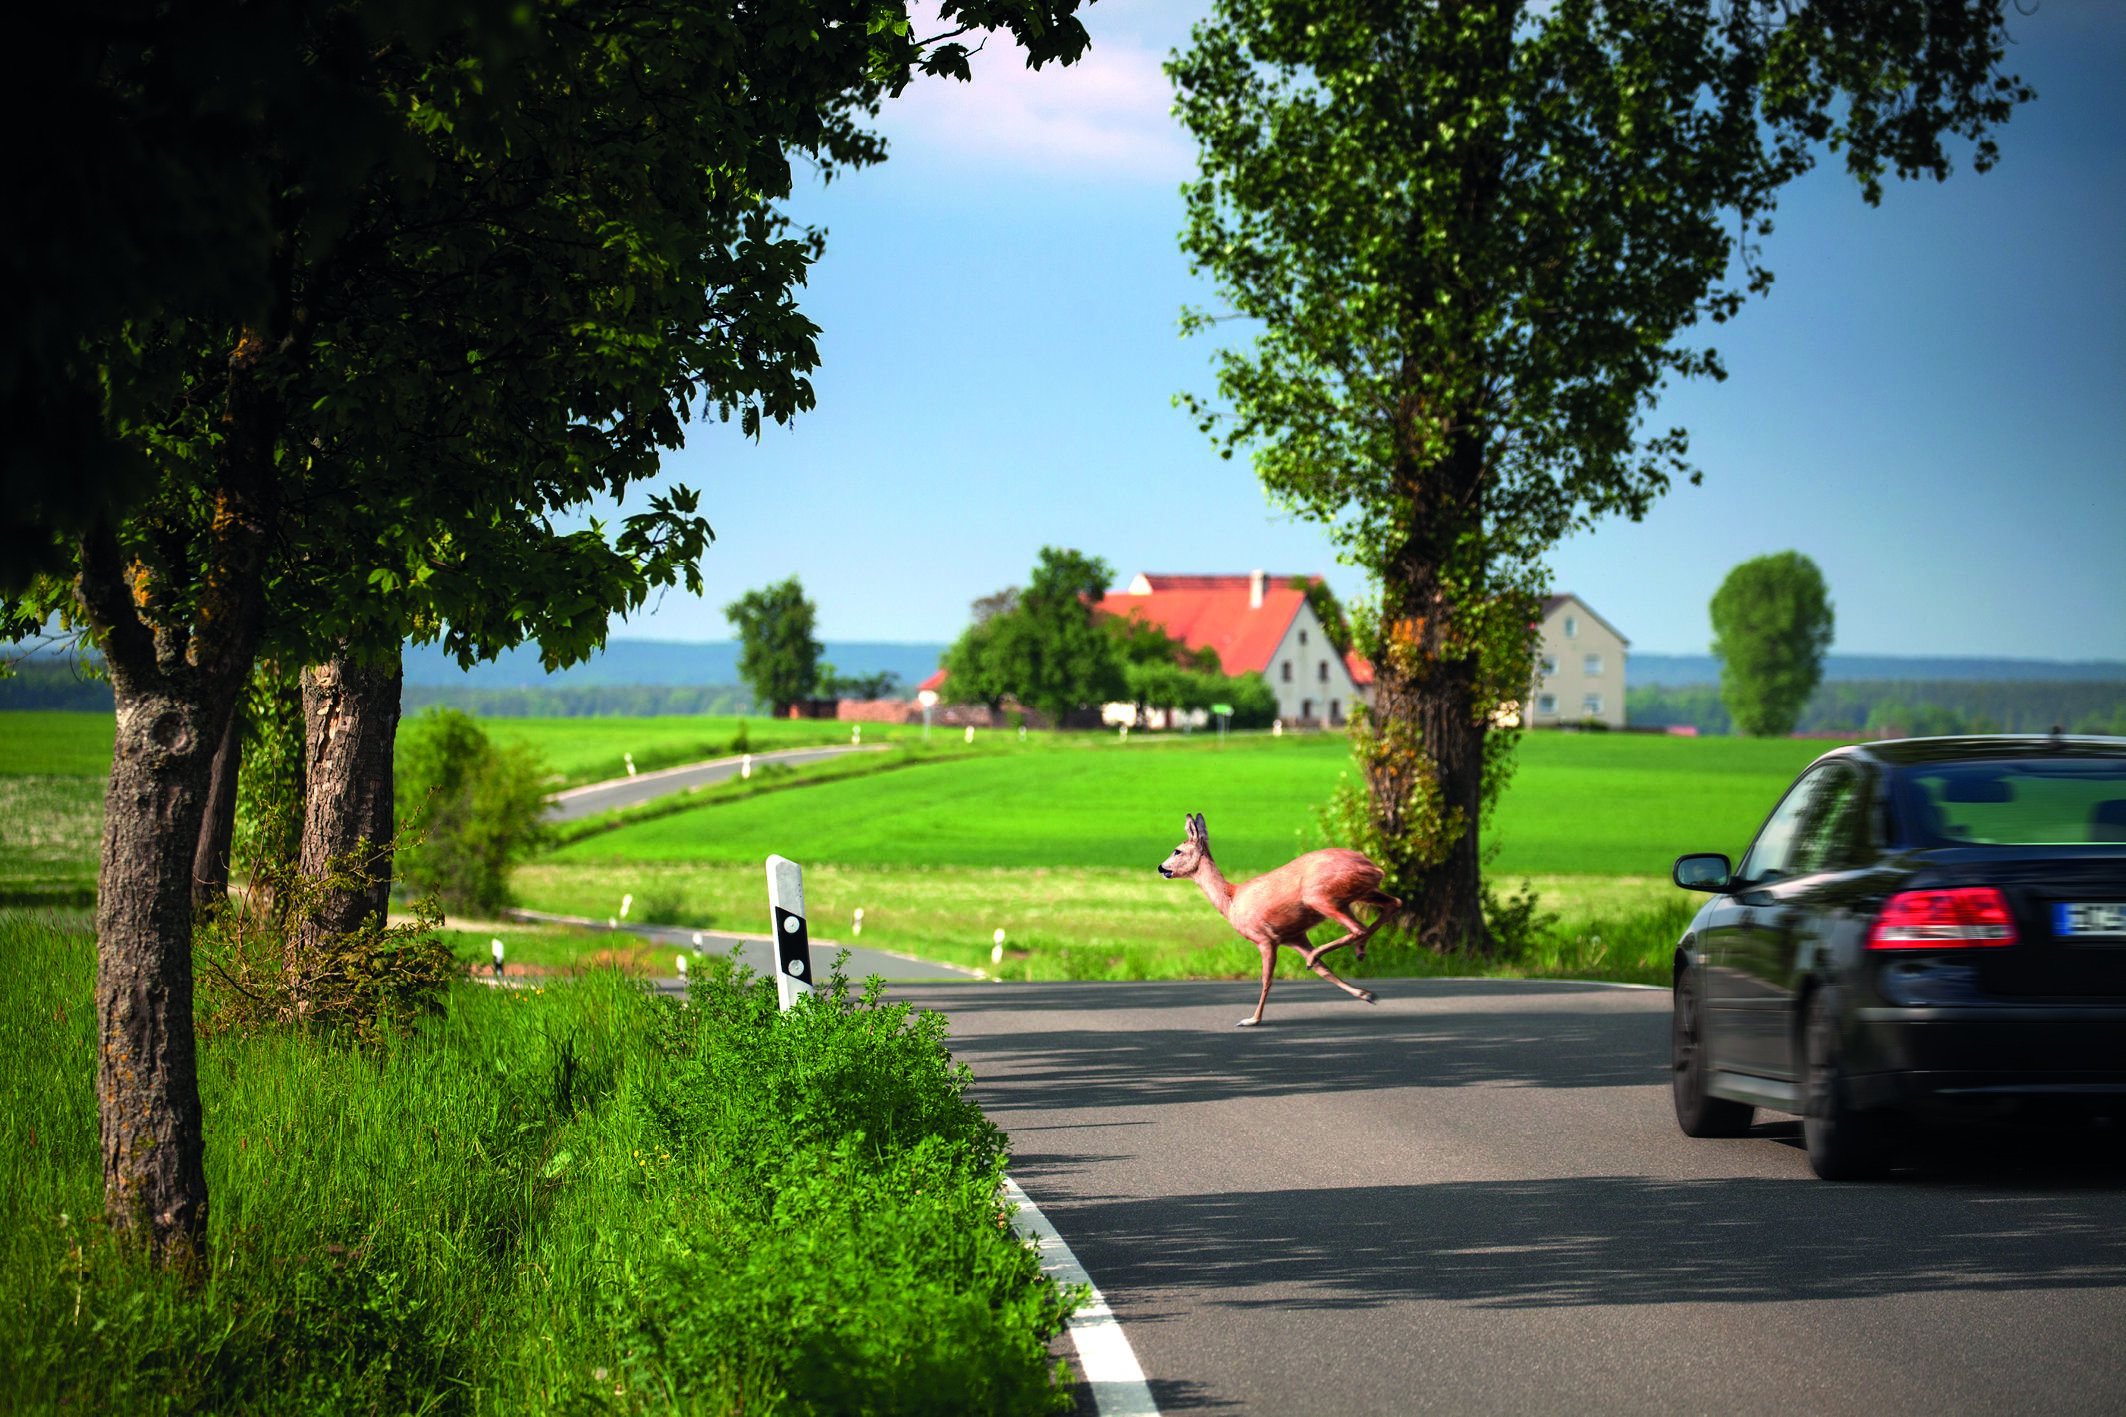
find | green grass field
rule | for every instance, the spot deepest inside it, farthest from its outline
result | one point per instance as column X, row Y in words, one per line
column 1581, row 804
column 1051, row 838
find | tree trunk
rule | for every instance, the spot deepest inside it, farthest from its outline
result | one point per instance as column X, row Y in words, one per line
column 1450, row 900
column 176, row 667
column 147, row 1082
column 350, row 722
column 217, row 831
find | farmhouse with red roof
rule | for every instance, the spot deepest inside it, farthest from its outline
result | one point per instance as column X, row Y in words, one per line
column 1255, row 622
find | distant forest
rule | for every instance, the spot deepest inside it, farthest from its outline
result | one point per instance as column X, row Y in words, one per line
column 1890, row 707
column 1909, row 708
column 50, row 684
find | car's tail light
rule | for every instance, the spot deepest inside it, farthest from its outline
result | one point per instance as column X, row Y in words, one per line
column 1943, row 920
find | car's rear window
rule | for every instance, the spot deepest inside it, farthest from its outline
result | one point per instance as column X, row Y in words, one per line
column 2025, row 802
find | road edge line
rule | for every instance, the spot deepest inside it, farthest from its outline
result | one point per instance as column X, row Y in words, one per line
column 1106, row 1362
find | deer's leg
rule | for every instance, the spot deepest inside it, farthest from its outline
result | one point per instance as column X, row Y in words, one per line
column 1357, row 936
column 1362, row 995
column 1269, row 967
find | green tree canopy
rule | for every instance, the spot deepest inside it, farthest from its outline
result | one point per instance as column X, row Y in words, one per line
column 1772, row 622
column 1041, row 645
column 778, row 655
column 1474, row 241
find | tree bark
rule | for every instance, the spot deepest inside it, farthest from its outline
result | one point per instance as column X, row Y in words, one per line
column 350, row 722
column 147, row 1082
column 176, row 667
column 217, row 831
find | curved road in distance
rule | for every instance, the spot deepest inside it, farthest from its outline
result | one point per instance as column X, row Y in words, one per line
column 1472, row 1198
column 576, row 803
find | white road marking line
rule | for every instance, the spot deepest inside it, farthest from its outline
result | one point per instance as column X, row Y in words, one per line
column 1105, row 1360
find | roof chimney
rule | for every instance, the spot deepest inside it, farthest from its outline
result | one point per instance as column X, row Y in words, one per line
column 1255, row 584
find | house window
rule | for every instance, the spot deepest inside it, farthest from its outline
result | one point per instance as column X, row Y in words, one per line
column 1306, row 709
column 1592, row 705
column 1288, row 671
column 1593, row 664
column 1302, row 639
column 1323, row 675
column 1546, row 703
column 1336, row 711
column 1549, row 665
column 1572, row 627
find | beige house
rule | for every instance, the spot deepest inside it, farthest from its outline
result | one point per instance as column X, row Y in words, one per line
column 1579, row 671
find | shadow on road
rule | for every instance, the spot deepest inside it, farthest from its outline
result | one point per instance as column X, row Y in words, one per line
column 2047, row 1212
column 1555, row 1047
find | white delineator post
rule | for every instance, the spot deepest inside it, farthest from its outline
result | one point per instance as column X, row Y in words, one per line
column 793, row 945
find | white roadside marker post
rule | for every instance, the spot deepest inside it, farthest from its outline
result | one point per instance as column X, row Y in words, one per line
column 498, row 958
column 970, row 733
column 629, row 759
column 745, row 766
column 625, row 902
column 856, row 734
column 793, row 945
column 857, row 927
column 996, row 950
column 682, row 971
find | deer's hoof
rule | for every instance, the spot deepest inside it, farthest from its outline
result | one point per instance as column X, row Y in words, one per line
column 1247, row 1023
column 1365, row 996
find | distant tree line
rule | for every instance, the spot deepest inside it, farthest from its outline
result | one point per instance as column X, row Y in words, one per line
column 1905, row 707
column 585, row 700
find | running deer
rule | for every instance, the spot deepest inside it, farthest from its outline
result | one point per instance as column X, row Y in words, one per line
column 1278, row 908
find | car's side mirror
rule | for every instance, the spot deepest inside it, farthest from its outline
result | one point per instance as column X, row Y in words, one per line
column 1702, row 871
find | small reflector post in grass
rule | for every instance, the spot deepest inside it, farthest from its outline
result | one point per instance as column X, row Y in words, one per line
column 856, row 926
column 793, row 944
column 626, row 903
column 996, row 950
column 745, row 766
column 498, row 957
column 629, row 759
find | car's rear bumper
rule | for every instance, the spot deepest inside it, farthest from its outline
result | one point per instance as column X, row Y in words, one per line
column 1906, row 1055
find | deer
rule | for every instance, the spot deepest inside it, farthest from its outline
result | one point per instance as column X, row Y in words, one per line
column 1280, row 906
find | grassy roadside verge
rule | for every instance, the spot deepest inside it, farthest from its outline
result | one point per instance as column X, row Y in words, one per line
column 574, row 1198
column 1096, row 922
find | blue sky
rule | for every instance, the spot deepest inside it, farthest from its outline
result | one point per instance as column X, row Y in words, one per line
column 1931, row 403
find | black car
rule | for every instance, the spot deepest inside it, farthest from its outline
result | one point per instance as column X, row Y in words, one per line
column 1934, row 926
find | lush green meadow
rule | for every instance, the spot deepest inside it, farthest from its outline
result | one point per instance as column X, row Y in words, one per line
column 1581, row 804
column 1052, row 838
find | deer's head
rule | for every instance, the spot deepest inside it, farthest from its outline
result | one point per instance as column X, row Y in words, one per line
column 1195, row 849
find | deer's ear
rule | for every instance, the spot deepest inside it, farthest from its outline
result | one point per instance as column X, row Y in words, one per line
column 1196, row 828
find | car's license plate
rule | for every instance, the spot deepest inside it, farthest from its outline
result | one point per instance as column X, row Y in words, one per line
column 2081, row 919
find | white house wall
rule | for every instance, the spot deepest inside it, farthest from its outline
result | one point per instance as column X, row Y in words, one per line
column 1580, row 675
column 1319, row 688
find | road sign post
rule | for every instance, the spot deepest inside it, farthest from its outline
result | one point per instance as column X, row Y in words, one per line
column 793, row 945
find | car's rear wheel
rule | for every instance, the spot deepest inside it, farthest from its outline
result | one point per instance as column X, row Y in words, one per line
column 1698, row 1113
column 1844, row 1143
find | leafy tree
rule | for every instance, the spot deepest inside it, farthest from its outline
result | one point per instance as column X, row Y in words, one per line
column 1476, row 239
column 778, row 655
column 1772, row 621
column 337, row 420
column 476, row 810
column 1041, row 646
column 882, row 685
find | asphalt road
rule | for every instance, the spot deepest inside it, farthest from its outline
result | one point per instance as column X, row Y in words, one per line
column 1472, row 1198
column 596, row 797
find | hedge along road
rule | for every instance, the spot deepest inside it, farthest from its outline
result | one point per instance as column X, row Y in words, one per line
column 1473, row 1198
column 589, row 800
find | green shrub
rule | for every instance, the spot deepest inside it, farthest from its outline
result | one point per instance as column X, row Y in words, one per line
column 577, row 1198
column 475, row 810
